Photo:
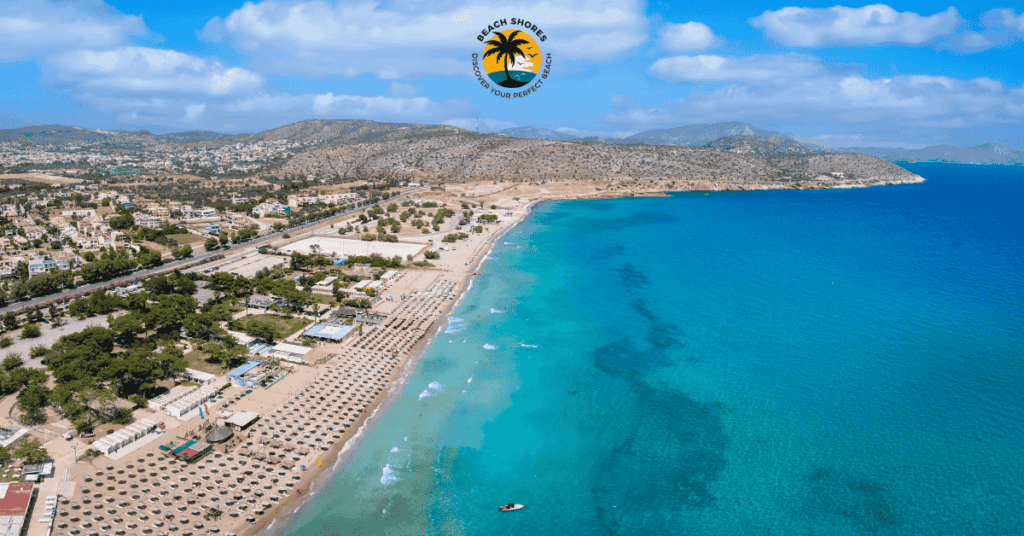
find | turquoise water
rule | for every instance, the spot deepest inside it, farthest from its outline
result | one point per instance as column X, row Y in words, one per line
column 519, row 76
column 794, row 363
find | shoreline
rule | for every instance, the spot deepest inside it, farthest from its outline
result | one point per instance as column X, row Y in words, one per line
column 336, row 458
column 342, row 451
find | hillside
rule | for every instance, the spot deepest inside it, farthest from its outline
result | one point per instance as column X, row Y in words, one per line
column 461, row 156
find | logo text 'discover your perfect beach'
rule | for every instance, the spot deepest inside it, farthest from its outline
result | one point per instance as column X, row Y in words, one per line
column 512, row 59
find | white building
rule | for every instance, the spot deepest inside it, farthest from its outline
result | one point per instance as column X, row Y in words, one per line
column 289, row 352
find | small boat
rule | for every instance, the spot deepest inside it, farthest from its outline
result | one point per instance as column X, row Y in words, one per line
column 510, row 507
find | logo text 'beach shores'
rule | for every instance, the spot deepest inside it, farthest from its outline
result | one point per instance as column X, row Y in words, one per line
column 512, row 59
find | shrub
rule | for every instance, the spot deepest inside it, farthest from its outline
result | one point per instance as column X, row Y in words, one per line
column 30, row 331
column 5, row 342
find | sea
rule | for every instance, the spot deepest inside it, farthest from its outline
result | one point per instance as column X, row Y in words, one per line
column 519, row 76
column 830, row 362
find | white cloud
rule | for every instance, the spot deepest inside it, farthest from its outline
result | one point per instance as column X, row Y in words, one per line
column 1006, row 18
column 768, row 69
column 845, row 99
column 32, row 28
column 975, row 41
column 688, row 37
column 371, row 107
column 844, row 26
column 148, row 70
column 315, row 37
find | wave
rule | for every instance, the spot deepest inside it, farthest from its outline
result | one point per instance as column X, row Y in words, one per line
column 455, row 325
column 425, row 394
column 489, row 347
column 524, row 345
column 470, row 380
column 389, row 475
column 436, row 386
column 496, row 311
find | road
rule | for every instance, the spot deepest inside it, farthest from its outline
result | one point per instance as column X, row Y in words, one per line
column 228, row 256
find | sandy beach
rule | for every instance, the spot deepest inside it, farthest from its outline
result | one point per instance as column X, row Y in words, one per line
column 310, row 420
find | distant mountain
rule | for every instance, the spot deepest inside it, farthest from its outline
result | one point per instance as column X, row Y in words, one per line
column 320, row 131
column 758, row 145
column 986, row 153
column 535, row 133
column 192, row 136
column 696, row 135
column 693, row 136
column 53, row 134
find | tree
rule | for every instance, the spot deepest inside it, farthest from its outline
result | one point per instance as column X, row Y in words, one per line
column 32, row 401
column 122, row 222
column 30, row 331
column 32, row 451
column 11, row 362
column 211, row 244
column 10, row 321
column 224, row 238
column 182, row 252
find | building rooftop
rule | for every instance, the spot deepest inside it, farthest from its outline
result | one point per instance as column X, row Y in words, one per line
column 244, row 368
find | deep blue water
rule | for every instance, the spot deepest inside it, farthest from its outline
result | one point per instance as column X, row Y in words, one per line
column 836, row 362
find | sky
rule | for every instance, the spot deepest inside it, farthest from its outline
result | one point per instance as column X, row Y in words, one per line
column 905, row 74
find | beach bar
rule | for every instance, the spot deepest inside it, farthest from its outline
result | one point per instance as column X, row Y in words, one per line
column 246, row 375
column 328, row 332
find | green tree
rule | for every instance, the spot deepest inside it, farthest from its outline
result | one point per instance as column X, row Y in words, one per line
column 32, row 451
column 211, row 244
column 11, row 362
column 30, row 331
column 182, row 252
column 32, row 401
column 122, row 222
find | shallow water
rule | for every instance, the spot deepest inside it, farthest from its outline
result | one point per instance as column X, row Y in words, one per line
column 828, row 362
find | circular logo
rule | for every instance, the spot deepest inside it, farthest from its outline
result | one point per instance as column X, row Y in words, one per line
column 511, row 58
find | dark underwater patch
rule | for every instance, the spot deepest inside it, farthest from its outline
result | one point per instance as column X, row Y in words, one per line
column 834, row 494
column 673, row 449
column 632, row 275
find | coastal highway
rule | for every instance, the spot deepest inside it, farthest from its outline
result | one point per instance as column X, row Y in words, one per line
column 232, row 253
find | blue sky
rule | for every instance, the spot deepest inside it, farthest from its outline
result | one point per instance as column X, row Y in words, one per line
column 900, row 74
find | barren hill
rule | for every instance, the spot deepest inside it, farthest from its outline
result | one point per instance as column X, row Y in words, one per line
column 456, row 155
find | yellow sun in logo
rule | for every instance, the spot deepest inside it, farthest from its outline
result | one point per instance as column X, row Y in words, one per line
column 511, row 58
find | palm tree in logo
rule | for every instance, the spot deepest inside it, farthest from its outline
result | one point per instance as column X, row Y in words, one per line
column 506, row 50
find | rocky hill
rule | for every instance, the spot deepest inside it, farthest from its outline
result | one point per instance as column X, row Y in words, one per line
column 460, row 156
